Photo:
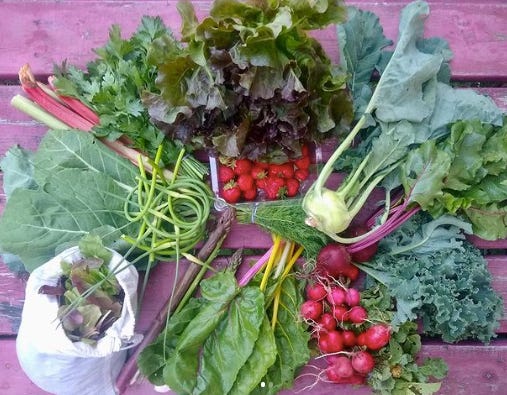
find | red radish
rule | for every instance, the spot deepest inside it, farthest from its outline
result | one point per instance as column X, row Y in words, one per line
column 316, row 291
column 377, row 336
column 363, row 362
column 353, row 297
column 361, row 339
column 349, row 338
column 311, row 310
column 336, row 295
column 333, row 376
column 340, row 313
column 343, row 366
column 327, row 322
column 357, row 314
column 330, row 341
column 333, row 260
column 353, row 273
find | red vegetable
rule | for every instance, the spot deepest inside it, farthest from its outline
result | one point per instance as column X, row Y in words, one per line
column 363, row 362
column 377, row 336
column 340, row 313
column 336, row 295
column 333, row 260
column 353, row 297
column 330, row 341
column 327, row 322
column 358, row 314
column 316, row 291
column 365, row 254
column 343, row 366
column 311, row 310
column 349, row 338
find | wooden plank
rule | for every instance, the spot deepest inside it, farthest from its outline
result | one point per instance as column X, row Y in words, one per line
column 54, row 30
column 473, row 369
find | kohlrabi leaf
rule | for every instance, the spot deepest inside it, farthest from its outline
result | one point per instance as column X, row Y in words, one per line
column 361, row 40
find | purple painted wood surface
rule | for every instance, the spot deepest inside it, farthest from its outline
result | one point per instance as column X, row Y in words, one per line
column 48, row 31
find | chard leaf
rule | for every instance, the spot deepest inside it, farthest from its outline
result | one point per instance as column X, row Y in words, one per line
column 291, row 340
column 181, row 368
column 262, row 357
column 68, row 205
column 229, row 347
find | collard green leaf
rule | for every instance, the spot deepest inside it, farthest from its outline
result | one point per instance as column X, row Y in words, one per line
column 68, row 205
column 74, row 149
column 361, row 40
column 17, row 169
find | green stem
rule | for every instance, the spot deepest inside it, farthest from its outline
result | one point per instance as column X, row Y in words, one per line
column 34, row 111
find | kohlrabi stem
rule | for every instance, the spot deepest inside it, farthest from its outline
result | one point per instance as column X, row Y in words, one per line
column 344, row 145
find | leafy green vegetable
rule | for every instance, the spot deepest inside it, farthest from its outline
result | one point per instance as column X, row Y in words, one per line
column 251, row 81
column 467, row 174
column 114, row 83
column 398, row 369
column 440, row 278
column 81, row 186
column 86, row 319
column 17, row 170
column 223, row 342
column 291, row 340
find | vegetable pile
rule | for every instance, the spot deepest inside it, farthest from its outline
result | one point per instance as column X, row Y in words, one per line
column 250, row 86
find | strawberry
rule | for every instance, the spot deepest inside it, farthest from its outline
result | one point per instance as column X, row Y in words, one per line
column 285, row 170
column 231, row 192
column 274, row 187
column 225, row 174
column 250, row 194
column 258, row 172
column 246, row 182
column 301, row 174
column 303, row 162
column 242, row 166
column 291, row 187
column 261, row 182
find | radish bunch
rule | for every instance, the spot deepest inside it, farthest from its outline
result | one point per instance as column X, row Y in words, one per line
column 341, row 330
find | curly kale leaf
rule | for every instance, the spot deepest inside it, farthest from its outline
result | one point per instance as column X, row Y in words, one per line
column 443, row 280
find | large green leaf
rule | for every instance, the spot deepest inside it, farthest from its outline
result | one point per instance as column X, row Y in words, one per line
column 17, row 169
column 73, row 149
column 71, row 203
column 291, row 340
column 229, row 347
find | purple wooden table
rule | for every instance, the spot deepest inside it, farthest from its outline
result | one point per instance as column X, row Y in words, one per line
column 48, row 31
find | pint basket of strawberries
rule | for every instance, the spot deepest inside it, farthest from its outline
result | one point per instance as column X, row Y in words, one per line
column 242, row 180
